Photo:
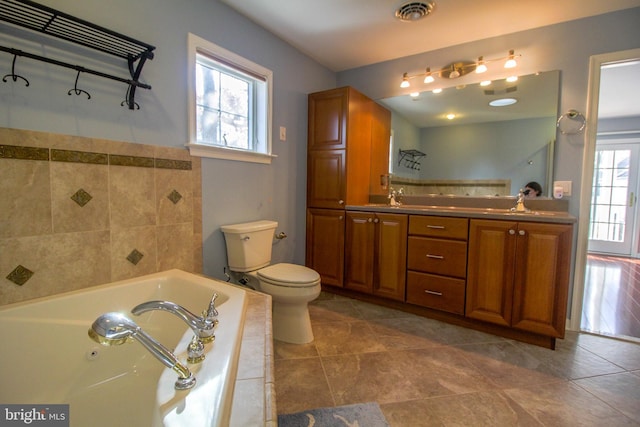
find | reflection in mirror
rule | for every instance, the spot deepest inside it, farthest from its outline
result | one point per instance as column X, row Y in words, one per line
column 481, row 150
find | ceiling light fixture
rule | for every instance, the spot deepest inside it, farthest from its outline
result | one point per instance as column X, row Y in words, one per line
column 451, row 116
column 459, row 69
column 503, row 102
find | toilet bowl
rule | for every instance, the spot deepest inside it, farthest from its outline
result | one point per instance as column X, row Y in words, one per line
column 291, row 286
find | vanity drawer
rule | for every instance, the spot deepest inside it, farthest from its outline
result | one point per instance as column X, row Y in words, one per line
column 440, row 293
column 439, row 226
column 439, row 256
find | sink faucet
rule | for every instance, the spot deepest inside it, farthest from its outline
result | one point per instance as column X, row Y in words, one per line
column 203, row 327
column 395, row 197
column 115, row 329
column 520, row 207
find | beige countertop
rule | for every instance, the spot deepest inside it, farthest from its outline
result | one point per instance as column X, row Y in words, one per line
column 533, row 215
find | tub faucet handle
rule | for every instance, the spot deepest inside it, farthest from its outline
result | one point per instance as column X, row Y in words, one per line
column 209, row 316
column 211, row 312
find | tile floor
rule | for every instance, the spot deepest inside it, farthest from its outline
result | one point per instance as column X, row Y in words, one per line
column 427, row 373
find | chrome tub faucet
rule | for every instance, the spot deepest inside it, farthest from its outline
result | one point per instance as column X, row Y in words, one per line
column 115, row 329
column 202, row 327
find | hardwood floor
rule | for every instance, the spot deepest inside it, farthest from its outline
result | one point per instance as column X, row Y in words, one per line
column 611, row 304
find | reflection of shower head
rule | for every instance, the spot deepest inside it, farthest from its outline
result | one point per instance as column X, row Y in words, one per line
column 113, row 329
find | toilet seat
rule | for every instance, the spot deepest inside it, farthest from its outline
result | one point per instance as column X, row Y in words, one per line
column 289, row 275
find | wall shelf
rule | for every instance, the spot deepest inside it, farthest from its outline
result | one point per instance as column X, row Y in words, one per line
column 411, row 158
column 53, row 23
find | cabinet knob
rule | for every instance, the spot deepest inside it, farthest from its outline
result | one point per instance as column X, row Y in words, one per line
column 521, row 232
column 369, row 220
column 340, row 217
column 376, row 220
column 341, row 202
column 512, row 232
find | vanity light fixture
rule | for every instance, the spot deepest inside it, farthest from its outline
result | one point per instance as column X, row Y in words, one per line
column 512, row 79
column 459, row 69
column 485, row 83
column 414, row 94
column 428, row 78
column 405, row 81
column 481, row 67
column 511, row 60
column 437, row 90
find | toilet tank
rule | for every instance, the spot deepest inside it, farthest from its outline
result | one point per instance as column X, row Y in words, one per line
column 249, row 244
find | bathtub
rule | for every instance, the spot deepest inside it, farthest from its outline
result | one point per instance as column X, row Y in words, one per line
column 47, row 356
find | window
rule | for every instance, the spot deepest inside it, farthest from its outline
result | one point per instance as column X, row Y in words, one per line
column 229, row 104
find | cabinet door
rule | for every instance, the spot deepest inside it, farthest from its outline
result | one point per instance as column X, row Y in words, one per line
column 390, row 257
column 543, row 257
column 325, row 244
column 326, row 180
column 490, row 271
column 327, row 126
column 359, row 249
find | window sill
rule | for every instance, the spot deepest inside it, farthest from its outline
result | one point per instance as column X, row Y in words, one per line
column 201, row 150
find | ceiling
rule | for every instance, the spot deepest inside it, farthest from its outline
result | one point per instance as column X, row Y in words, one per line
column 345, row 34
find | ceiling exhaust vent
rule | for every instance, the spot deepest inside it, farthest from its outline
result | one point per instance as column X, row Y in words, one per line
column 414, row 11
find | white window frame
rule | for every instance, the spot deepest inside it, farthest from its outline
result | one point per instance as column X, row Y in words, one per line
column 199, row 45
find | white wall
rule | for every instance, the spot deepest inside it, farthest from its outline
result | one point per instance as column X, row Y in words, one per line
column 231, row 191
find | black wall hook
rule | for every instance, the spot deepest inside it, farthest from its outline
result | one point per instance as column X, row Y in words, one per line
column 13, row 74
column 76, row 90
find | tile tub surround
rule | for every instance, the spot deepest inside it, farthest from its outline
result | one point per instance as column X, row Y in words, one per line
column 78, row 212
column 424, row 372
column 254, row 399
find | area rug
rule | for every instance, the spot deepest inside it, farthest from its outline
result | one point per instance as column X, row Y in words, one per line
column 359, row 415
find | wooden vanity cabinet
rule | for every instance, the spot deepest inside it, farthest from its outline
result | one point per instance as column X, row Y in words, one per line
column 376, row 253
column 437, row 262
column 325, row 244
column 518, row 274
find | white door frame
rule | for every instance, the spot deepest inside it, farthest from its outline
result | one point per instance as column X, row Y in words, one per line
column 593, row 98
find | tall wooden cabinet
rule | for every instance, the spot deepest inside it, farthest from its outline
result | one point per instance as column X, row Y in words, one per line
column 376, row 253
column 518, row 274
column 347, row 133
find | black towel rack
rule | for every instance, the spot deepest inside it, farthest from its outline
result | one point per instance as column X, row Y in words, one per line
column 43, row 19
column 411, row 158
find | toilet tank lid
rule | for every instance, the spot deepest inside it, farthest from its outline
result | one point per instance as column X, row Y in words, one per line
column 289, row 273
column 248, row 227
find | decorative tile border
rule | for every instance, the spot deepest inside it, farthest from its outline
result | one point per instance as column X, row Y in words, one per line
column 23, row 153
column 72, row 156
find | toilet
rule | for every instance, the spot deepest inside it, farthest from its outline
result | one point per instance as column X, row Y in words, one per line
column 291, row 286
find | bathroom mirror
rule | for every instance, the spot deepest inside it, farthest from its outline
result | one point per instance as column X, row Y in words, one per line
column 483, row 150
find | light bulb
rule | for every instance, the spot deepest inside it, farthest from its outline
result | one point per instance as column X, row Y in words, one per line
column 414, row 94
column 511, row 61
column 405, row 81
column 451, row 116
column 480, row 66
column 512, row 79
column 454, row 74
column 485, row 83
column 438, row 90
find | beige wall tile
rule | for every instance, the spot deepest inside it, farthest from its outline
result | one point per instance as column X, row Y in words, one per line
column 60, row 263
column 69, row 178
column 126, row 240
column 26, row 198
column 178, row 182
column 175, row 247
column 132, row 196
column 25, row 138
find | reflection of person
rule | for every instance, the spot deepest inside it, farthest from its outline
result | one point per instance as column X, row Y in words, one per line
column 532, row 189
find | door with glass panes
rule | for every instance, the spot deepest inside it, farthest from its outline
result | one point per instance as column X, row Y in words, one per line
column 613, row 199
